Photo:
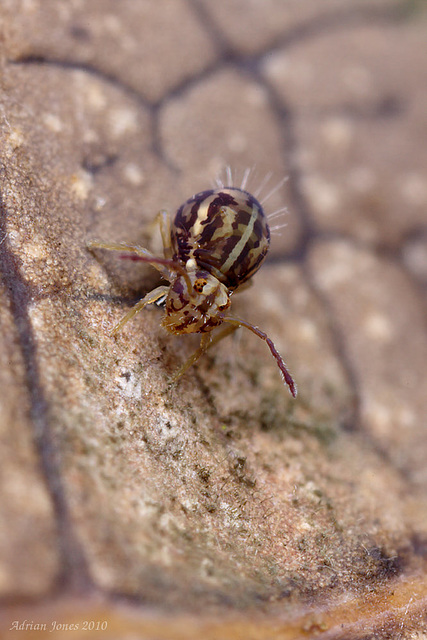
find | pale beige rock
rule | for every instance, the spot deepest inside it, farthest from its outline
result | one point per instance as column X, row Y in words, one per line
column 144, row 48
column 359, row 117
column 376, row 306
column 29, row 547
column 254, row 26
column 243, row 126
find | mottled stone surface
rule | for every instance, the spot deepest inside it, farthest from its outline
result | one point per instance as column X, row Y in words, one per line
column 222, row 494
column 28, row 544
column 146, row 48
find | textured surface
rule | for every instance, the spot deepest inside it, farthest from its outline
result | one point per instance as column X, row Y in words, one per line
column 223, row 494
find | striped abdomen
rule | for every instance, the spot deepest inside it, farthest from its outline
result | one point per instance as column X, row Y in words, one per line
column 225, row 231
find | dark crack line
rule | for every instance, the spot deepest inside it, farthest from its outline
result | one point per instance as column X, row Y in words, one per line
column 347, row 18
column 352, row 421
column 109, row 78
column 387, row 107
column 227, row 56
column 285, row 119
column 284, row 116
column 337, row 20
column 153, row 108
column 334, row 19
column 74, row 574
column 331, row 21
column 101, row 75
column 211, row 28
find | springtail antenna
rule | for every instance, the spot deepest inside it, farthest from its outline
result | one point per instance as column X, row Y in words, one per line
column 280, row 362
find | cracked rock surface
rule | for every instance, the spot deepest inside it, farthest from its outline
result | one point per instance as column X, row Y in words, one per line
column 219, row 507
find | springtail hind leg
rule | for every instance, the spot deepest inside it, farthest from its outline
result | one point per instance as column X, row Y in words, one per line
column 203, row 347
column 206, row 342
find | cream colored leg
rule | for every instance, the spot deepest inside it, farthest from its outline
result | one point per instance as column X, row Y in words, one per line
column 131, row 248
column 225, row 331
column 151, row 297
column 163, row 219
column 204, row 345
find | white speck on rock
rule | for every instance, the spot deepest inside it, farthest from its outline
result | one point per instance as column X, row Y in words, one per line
column 52, row 122
column 133, row 174
column 122, row 121
column 378, row 327
column 324, row 196
column 81, row 184
column 130, row 385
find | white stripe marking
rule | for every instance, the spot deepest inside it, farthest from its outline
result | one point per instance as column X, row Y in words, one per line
column 234, row 255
